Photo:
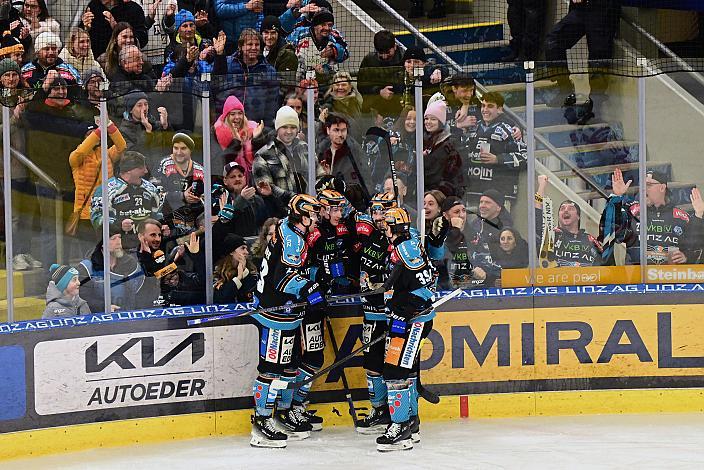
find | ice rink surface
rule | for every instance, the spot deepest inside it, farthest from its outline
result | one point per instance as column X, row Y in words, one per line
column 657, row 441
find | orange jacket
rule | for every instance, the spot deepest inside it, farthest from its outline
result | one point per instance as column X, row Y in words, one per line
column 85, row 165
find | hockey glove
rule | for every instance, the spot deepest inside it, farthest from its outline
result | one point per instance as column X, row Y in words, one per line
column 438, row 231
column 312, row 293
column 227, row 213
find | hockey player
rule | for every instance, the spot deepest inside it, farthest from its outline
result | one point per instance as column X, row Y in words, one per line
column 281, row 281
column 412, row 280
column 330, row 247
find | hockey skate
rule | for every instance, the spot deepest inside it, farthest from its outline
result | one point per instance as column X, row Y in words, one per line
column 396, row 437
column 377, row 421
column 264, row 433
column 292, row 423
column 316, row 422
column 415, row 429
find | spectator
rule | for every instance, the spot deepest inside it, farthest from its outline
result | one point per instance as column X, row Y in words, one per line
column 459, row 252
column 509, row 251
column 403, row 143
column 12, row 48
column 253, row 79
column 235, row 16
column 15, row 91
column 235, row 133
column 235, row 275
column 36, row 17
column 525, row 18
column 177, row 176
column 85, row 164
column 266, row 233
column 320, row 47
column 122, row 36
column 46, row 51
column 442, row 163
column 132, row 74
column 674, row 236
column 463, row 106
column 52, row 125
column 567, row 245
column 495, row 156
column 280, row 54
column 102, row 16
column 295, row 102
column 204, row 14
column 62, row 293
column 432, row 206
column 13, row 25
column 141, row 130
column 89, row 103
column 127, row 279
column 599, row 21
column 132, row 199
column 433, row 75
column 485, row 229
column 243, row 208
column 340, row 157
column 282, row 164
column 378, row 76
column 343, row 98
column 78, row 53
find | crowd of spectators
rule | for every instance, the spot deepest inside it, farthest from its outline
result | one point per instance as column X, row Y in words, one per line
column 260, row 68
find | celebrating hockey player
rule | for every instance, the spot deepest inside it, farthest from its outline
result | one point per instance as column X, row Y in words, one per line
column 281, row 281
column 412, row 279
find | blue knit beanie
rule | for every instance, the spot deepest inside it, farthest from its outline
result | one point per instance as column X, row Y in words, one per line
column 62, row 275
column 183, row 16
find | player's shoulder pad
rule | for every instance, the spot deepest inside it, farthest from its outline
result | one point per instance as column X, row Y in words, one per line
column 293, row 246
column 313, row 237
column 409, row 253
column 365, row 225
column 635, row 209
column 678, row 213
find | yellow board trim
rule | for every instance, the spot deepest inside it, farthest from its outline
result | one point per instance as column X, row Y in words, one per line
column 230, row 423
column 435, row 29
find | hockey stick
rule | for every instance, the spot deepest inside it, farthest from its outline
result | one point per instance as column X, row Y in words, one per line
column 345, row 384
column 280, row 384
column 332, row 301
column 382, row 134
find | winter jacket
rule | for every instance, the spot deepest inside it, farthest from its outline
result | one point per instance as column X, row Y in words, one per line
column 34, row 74
column 442, row 161
column 284, row 168
column 153, row 145
column 350, row 105
column 283, row 58
column 208, row 30
column 83, row 64
column 235, row 290
column 58, row 305
column 234, row 17
column 243, row 147
column 85, row 166
column 126, row 279
column 518, row 258
column 256, row 86
column 100, row 30
column 308, row 52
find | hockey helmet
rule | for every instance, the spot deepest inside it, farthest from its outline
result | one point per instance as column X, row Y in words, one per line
column 382, row 202
column 303, row 205
column 398, row 220
column 331, row 198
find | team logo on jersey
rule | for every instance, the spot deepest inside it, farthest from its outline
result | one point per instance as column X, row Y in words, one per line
column 121, row 198
column 677, row 230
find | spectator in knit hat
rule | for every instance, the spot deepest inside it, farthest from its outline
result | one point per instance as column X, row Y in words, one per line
column 249, row 77
column 46, row 52
column 442, row 162
column 277, row 51
column 11, row 48
column 15, row 90
column 319, row 46
column 281, row 166
column 62, row 293
column 236, row 134
column 203, row 12
column 486, row 228
column 78, row 53
column 181, row 181
column 142, row 131
column 101, row 17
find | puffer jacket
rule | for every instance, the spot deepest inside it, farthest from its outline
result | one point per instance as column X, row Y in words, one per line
column 58, row 305
column 233, row 17
column 85, row 165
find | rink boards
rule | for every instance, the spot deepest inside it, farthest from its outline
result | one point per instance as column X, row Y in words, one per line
column 116, row 379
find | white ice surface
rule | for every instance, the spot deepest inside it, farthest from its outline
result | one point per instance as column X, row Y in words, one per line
column 665, row 441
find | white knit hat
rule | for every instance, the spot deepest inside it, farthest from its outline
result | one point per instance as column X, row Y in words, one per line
column 46, row 39
column 286, row 116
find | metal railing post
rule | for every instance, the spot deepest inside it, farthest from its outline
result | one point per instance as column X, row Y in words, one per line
column 104, row 176
column 642, row 170
column 420, row 160
column 208, row 172
column 310, row 120
column 7, row 184
column 530, row 136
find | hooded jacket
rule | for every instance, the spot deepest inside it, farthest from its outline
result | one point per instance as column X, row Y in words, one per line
column 223, row 134
column 82, row 64
column 59, row 305
column 442, row 161
column 85, row 166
